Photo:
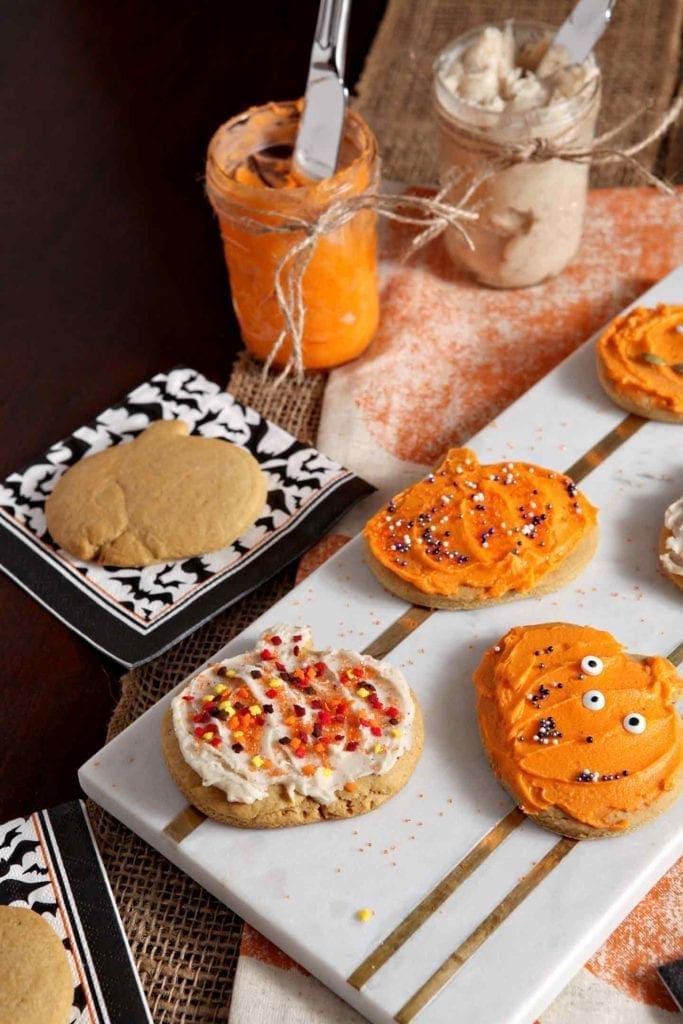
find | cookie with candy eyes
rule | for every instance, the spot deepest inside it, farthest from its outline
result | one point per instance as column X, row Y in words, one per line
column 286, row 734
column 584, row 736
column 671, row 543
column 640, row 362
column 472, row 534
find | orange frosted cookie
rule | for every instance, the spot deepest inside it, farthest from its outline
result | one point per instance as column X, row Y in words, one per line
column 640, row 362
column 471, row 534
column 584, row 736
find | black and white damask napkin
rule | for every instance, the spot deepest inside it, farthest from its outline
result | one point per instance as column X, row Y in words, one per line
column 135, row 614
column 50, row 864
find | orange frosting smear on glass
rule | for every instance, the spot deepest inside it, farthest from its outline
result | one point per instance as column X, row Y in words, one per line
column 642, row 355
column 494, row 528
column 554, row 743
column 340, row 282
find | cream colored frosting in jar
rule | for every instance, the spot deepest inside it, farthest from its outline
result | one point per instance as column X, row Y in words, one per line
column 497, row 89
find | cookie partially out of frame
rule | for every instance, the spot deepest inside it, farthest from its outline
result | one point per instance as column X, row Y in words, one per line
column 472, row 534
column 671, row 543
column 640, row 362
column 351, row 760
column 585, row 737
column 162, row 496
column 35, row 979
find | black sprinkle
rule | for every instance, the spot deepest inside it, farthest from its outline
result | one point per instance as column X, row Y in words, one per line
column 238, row 748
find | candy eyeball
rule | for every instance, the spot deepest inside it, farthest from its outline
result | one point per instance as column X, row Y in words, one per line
column 635, row 723
column 594, row 700
column 592, row 665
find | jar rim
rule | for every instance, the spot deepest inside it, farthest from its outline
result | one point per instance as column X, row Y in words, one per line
column 218, row 178
column 473, row 116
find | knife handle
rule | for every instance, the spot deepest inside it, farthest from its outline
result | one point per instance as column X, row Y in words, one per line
column 331, row 32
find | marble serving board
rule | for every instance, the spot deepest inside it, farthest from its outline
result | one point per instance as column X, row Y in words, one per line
column 508, row 928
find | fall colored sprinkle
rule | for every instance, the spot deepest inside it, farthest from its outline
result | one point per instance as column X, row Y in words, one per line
column 366, row 914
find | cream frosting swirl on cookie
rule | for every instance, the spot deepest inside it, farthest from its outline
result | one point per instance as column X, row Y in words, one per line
column 286, row 714
column 672, row 556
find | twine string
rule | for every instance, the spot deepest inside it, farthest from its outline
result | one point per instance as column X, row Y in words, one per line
column 431, row 214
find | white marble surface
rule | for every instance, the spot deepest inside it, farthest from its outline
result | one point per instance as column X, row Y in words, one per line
column 301, row 887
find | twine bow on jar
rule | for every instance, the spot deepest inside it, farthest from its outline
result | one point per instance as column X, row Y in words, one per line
column 432, row 214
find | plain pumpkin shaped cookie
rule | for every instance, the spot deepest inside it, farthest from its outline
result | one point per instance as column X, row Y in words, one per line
column 162, row 496
column 35, row 979
column 288, row 735
column 585, row 736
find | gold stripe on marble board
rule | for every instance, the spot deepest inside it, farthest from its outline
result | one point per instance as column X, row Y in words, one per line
column 676, row 656
column 625, row 430
column 488, row 926
column 184, row 824
column 431, row 903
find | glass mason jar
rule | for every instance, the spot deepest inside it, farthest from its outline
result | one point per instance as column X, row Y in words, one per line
column 249, row 175
column 531, row 213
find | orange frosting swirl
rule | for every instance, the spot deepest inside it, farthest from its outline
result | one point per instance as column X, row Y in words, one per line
column 599, row 744
column 494, row 528
column 642, row 355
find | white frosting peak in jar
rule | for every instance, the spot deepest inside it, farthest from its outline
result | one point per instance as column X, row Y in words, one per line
column 495, row 73
column 335, row 747
column 672, row 556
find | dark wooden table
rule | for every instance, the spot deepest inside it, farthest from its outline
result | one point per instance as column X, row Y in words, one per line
column 112, row 270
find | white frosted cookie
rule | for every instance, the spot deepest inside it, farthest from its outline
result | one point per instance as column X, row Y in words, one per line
column 671, row 543
column 286, row 734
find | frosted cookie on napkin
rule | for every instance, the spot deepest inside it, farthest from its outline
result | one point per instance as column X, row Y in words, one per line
column 287, row 735
column 35, row 979
column 162, row 496
column 470, row 534
column 585, row 736
column 640, row 362
column 671, row 543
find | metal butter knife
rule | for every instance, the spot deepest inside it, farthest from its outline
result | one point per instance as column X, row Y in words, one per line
column 584, row 26
column 322, row 123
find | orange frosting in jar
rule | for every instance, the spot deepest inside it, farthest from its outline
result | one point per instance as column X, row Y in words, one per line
column 571, row 721
column 250, row 175
column 496, row 528
column 642, row 355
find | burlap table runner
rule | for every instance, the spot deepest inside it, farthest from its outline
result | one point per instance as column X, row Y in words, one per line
column 184, row 942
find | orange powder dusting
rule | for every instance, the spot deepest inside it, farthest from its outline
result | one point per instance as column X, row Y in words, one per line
column 642, row 355
column 496, row 528
column 652, row 934
column 522, row 711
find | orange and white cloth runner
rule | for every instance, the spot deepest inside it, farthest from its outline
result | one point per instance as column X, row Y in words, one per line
column 449, row 356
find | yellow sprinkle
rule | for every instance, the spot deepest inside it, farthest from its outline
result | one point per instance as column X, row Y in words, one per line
column 365, row 914
column 208, row 735
column 378, row 748
column 327, row 771
column 275, row 683
column 220, row 688
column 362, row 692
column 254, row 710
column 231, row 672
column 207, row 698
column 257, row 761
column 238, row 735
column 226, row 706
column 397, row 732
